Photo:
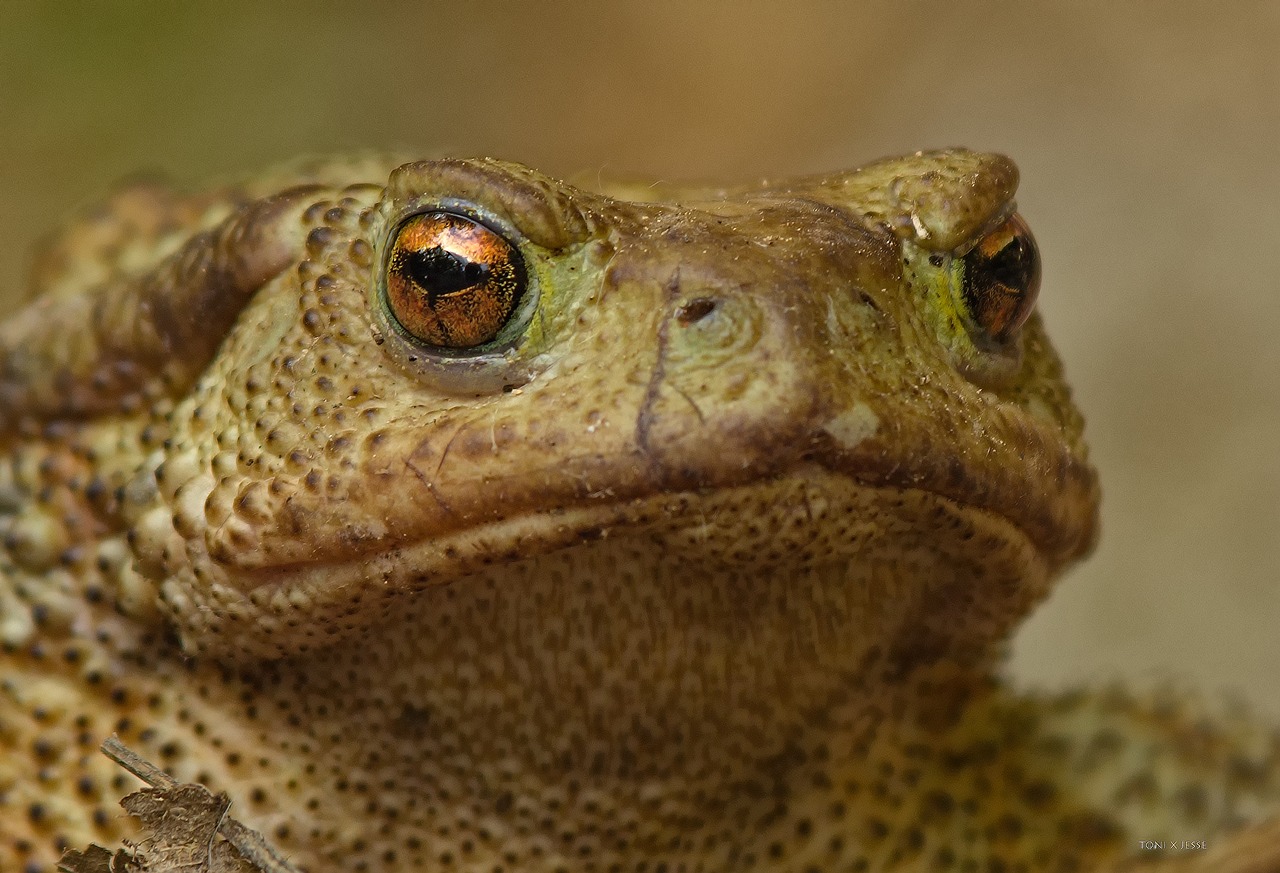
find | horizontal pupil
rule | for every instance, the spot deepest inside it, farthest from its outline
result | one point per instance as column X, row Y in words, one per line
column 440, row 272
column 1010, row 266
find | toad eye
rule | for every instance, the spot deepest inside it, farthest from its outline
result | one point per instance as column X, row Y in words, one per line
column 451, row 282
column 1001, row 279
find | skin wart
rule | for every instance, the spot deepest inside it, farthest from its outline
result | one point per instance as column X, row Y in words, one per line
column 706, row 565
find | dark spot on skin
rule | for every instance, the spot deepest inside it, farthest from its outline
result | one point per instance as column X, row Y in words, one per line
column 1090, row 828
column 1194, row 801
column 1009, row 826
column 1140, row 788
column 361, row 253
column 695, row 310
column 318, row 240
column 413, row 720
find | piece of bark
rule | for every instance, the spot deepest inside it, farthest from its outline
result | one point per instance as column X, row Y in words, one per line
column 185, row 829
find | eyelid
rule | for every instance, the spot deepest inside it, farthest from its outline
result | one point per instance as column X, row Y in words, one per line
column 499, row 194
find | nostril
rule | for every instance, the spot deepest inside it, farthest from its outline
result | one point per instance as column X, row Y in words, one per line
column 695, row 310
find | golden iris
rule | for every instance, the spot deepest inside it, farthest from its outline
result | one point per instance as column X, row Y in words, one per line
column 451, row 282
column 1002, row 278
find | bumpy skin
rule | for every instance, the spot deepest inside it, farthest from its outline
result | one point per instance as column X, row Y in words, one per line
column 710, row 571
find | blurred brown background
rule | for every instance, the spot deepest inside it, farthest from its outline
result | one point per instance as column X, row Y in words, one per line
column 1148, row 136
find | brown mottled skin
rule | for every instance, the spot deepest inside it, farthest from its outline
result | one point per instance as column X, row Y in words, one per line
column 710, row 571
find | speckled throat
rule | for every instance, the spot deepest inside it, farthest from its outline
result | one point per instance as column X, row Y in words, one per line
column 634, row 702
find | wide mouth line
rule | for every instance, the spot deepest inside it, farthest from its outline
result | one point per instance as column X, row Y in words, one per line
column 544, row 532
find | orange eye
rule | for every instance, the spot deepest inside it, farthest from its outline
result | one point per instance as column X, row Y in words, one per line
column 1002, row 278
column 451, row 282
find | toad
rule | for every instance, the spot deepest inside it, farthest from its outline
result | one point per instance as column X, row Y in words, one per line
column 451, row 517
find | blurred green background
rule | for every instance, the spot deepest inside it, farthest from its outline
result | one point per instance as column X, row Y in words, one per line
column 1147, row 134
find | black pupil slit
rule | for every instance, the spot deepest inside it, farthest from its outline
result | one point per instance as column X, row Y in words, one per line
column 1000, row 280
column 441, row 272
column 1011, row 266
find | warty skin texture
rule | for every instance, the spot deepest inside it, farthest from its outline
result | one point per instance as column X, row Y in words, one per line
column 709, row 570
